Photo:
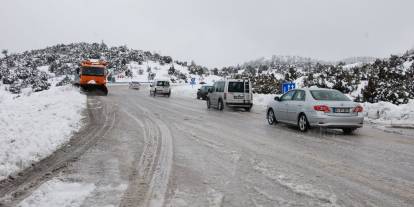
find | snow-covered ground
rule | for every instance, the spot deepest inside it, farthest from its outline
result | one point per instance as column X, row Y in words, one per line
column 34, row 125
column 56, row 193
column 385, row 113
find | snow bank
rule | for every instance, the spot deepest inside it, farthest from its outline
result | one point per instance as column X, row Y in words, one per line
column 58, row 193
column 187, row 90
column 262, row 99
column 390, row 114
column 33, row 125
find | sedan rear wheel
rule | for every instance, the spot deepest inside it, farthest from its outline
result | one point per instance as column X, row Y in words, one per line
column 303, row 124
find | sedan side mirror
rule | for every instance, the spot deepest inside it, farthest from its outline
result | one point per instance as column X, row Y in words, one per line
column 277, row 98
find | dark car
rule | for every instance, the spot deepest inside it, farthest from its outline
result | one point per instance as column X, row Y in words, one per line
column 203, row 91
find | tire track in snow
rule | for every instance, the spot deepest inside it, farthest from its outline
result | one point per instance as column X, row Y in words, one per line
column 149, row 182
column 322, row 197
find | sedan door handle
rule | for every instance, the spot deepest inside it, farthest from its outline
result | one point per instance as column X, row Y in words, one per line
column 300, row 105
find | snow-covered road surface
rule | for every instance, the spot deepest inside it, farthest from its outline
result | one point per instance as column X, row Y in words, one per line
column 159, row 151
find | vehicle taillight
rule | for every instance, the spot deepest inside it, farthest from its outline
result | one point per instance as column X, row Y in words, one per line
column 358, row 109
column 225, row 96
column 323, row 108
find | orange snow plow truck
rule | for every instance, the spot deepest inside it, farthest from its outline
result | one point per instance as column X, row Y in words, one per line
column 92, row 76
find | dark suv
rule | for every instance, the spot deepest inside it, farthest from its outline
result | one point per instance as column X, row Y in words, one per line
column 203, row 91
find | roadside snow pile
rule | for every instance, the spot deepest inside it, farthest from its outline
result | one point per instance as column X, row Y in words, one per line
column 262, row 99
column 33, row 125
column 58, row 193
column 185, row 90
column 190, row 91
column 390, row 114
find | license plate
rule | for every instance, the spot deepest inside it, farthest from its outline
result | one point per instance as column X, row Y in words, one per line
column 341, row 110
column 239, row 97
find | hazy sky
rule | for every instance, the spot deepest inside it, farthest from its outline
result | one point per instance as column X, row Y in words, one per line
column 215, row 32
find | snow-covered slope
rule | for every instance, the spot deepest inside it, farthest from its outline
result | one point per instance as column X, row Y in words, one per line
column 33, row 125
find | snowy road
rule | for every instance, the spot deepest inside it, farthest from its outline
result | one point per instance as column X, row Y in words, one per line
column 158, row 151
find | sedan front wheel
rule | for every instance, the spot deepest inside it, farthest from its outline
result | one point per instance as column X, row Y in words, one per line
column 271, row 118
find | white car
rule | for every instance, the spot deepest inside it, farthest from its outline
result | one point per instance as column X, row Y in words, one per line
column 316, row 107
column 235, row 93
column 161, row 86
column 134, row 85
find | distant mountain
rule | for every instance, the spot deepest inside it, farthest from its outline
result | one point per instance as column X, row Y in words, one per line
column 353, row 60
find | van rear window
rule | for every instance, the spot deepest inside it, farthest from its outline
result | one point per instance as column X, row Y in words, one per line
column 163, row 83
column 238, row 87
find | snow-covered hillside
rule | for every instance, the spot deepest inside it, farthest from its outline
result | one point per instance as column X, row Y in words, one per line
column 388, row 80
column 33, row 69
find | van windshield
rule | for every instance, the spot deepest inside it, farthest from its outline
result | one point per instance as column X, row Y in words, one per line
column 163, row 83
column 325, row 95
column 238, row 87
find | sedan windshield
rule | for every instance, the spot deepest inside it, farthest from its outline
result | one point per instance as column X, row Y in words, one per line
column 205, row 88
column 328, row 95
column 95, row 71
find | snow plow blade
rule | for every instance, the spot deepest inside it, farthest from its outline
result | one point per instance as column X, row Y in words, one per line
column 92, row 89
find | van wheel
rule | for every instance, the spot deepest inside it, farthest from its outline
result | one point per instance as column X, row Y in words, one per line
column 348, row 130
column 208, row 103
column 303, row 123
column 220, row 105
column 271, row 118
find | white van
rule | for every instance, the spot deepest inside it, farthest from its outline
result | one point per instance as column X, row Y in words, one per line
column 235, row 93
column 161, row 86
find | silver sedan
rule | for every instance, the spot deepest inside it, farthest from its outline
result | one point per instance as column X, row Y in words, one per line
column 316, row 107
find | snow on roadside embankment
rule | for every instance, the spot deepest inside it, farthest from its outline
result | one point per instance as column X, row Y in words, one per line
column 386, row 113
column 34, row 125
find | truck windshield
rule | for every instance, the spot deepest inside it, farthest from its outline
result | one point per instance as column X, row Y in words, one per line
column 238, row 87
column 95, row 71
column 325, row 95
